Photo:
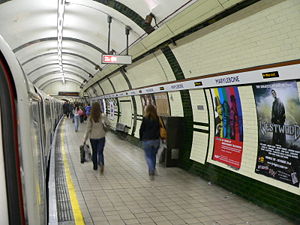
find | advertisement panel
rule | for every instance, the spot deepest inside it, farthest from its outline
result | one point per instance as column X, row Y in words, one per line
column 162, row 104
column 159, row 100
column 278, row 107
column 228, row 141
column 111, row 110
column 147, row 100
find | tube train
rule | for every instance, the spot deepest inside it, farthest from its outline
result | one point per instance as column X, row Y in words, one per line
column 28, row 118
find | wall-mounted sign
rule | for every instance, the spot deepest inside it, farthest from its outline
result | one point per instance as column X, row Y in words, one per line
column 116, row 59
column 248, row 77
column 270, row 75
column 198, row 83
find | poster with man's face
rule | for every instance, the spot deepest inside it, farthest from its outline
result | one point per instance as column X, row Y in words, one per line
column 278, row 117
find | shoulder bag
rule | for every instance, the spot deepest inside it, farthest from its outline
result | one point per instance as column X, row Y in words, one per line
column 162, row 129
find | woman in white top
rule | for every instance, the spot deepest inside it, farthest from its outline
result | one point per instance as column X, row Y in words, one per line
column 96, row 132
column 76, row 117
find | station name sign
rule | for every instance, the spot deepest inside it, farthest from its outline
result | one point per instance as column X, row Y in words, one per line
column 116, row 59
column 286, row 72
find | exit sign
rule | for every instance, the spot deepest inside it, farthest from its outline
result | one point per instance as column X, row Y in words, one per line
column 116, row 59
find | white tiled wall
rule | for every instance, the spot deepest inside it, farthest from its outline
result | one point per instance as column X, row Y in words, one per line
column 264, row 33
column 161, row 59
column 175, row 104
column 97, row 88
column 147, row 72
column 106, row 86
column 139, row 112
column 200, row 140
column 198, row 99
column 126, row 111
column 199, row 147
column 119, row 82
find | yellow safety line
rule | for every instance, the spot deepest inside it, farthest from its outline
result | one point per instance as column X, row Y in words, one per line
column 73, row 197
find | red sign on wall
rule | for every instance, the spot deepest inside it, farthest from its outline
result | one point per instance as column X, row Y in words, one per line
column 228, row 151
column 228, row 147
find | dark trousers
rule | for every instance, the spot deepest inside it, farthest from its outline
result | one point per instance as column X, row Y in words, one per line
column 98, row 148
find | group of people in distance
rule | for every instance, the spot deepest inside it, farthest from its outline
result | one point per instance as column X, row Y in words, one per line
column 97, row 123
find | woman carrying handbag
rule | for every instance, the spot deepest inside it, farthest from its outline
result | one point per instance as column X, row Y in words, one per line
column 150, row 137
column 96, row 129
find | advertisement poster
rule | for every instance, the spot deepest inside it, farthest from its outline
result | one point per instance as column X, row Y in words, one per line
column 278, row 115
column 228, row 143
column 162, row 104
column 111, row 110
column 147, row 100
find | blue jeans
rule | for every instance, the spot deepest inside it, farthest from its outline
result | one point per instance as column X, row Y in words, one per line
column 98, row 148
column 76, row 122
column 151, row 147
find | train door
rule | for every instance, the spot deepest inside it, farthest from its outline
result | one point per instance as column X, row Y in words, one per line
column 47, row 119
column 3, row 198
column 39, row 166
column 42, row 122
column 11, row 195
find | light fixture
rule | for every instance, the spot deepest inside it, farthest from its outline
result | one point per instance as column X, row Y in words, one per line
column 60, row 23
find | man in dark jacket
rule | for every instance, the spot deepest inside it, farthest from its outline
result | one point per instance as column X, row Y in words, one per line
column 278, row 119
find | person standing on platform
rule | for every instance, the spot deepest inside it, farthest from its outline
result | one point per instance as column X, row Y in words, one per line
column 97, row 123
column 71, row 108
column 76, row 113
column 88, row 110
column 66, row 109
column 149, row 135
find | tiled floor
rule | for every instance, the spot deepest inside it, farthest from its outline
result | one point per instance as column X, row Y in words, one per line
column 124, row 194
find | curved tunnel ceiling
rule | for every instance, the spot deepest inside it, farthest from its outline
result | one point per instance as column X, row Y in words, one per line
column 31, row 28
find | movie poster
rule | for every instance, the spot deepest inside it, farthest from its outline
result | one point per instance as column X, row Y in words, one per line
column 278, row 115
column 228, row 143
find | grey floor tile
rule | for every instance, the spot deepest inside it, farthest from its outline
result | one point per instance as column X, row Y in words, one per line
column 125, row 195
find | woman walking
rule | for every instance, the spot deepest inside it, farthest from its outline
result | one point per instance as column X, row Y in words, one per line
column 96, row 132
column 149, row 135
